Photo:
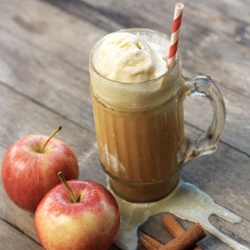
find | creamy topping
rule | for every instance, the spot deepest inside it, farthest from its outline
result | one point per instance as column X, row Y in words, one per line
column 130, row 57
column 125, row 57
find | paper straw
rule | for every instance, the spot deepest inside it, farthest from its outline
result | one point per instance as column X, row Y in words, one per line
column 174, row 39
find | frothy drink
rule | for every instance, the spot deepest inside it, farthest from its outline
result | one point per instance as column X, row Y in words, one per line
column 138, row 114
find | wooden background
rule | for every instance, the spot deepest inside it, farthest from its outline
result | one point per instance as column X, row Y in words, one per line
column 44, row 82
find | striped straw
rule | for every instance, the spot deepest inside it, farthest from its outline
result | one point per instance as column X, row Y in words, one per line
column 174, row 39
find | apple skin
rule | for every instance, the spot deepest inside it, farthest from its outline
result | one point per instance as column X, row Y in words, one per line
column 28, row 174
column 91, row 223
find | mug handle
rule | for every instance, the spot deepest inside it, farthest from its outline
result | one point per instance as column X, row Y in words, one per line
column 204, row 86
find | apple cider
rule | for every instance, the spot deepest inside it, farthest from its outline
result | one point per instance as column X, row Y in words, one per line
column 139, row 150
column 139, row 123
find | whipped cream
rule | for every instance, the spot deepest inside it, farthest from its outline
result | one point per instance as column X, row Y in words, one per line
column 126, row 57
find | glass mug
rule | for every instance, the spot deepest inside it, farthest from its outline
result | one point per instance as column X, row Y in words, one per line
column 140, row 126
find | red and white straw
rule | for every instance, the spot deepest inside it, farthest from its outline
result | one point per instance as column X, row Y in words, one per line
column 174, row 39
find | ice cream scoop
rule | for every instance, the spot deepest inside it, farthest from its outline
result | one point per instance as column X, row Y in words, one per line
column 126, row 57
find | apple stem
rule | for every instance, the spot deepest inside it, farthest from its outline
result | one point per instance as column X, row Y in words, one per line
column 51, row 136
column 63, row 180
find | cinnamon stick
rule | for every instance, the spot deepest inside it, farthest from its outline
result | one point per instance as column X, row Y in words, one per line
column 150, row 243
column 174, row 228
column 183, row 239
column 186, row 239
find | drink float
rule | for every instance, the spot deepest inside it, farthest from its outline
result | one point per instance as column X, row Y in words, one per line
column 138, row 113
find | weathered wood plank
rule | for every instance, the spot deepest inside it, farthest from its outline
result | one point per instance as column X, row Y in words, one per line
column 45, row 79
column 57, row 33
column 10, row 239
column 25, row 116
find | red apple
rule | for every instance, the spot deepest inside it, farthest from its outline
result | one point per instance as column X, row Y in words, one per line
column 91, row 222
column 30, row 167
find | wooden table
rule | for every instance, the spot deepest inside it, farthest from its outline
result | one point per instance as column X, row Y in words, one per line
column 44, row 81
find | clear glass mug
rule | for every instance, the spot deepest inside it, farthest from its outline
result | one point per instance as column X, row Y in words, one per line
column 140, row 127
